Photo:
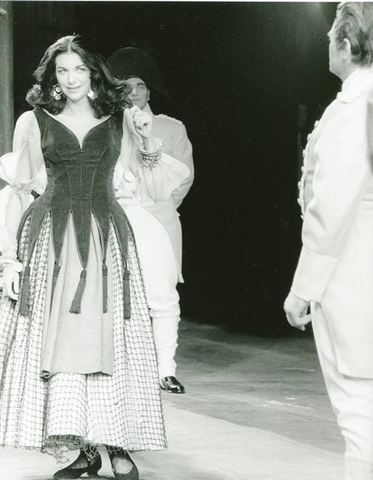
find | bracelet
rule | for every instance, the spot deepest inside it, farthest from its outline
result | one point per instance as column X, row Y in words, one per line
column 10, row 262
column 151, row 159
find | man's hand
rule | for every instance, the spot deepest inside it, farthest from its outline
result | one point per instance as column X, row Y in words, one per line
column 11, row 282
column 296, row 311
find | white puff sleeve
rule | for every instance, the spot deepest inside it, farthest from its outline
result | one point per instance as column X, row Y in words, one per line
column 137, row 184
column 182, row 150
column 24, row 171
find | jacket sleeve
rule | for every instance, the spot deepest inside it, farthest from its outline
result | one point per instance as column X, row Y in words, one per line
column 182, row 150
column 341, row 174
column 24, row 171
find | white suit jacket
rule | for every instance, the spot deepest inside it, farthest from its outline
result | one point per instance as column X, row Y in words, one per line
column 335, row 268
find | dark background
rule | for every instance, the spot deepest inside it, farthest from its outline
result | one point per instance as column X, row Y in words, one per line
column 236, row 73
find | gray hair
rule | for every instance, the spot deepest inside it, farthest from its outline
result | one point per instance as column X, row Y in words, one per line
column 354, row 22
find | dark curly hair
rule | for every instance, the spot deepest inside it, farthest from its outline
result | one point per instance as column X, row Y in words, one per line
column 354, row 22
column 110, row 94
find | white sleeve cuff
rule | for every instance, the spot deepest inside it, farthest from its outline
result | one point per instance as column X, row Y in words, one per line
column 160, row 181
column 312, row 275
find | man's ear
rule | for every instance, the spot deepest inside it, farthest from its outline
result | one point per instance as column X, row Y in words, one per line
column 346, row 50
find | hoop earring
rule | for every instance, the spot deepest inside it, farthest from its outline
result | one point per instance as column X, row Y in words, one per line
column 57, row 92
column 91, row 94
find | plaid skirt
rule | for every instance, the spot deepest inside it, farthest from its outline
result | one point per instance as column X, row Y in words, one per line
column 73, row 410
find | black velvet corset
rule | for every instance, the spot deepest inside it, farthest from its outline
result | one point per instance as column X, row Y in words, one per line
column 80, row 183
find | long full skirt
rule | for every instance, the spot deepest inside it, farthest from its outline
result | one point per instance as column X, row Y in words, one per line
column 73, row 410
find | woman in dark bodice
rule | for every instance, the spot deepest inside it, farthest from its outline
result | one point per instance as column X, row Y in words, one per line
column 76, row 325
column 80, row 184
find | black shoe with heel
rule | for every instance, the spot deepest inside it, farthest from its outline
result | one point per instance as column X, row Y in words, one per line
column 172, row 385
column 75, row 472
column 133, row 474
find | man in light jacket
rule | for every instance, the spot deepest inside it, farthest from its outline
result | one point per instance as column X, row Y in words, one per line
column 155, row 220
column 334, row 275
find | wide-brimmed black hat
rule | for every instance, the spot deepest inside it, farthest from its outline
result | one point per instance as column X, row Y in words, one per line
column 133, row 62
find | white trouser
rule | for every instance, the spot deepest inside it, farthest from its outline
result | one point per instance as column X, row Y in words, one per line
column 165, row 336
column 163, row 299
column 160, row 272
column 352, row 401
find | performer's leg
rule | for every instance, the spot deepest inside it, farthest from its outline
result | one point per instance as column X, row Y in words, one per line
column 164, row 305
column 352, row 401
column 165, row 331
column 161, row 275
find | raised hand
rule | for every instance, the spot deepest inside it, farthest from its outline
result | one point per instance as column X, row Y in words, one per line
column 142, row 121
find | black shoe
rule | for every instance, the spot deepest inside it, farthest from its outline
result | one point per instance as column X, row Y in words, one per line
column 133, row 474
column 172, row 385
column 72, row 472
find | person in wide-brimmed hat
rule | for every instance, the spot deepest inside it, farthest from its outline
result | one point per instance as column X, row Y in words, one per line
column 155, row 219
column 133, row 62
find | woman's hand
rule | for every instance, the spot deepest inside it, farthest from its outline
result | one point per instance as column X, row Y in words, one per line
column 11, row 282
column 142, row 121
column 296, row 311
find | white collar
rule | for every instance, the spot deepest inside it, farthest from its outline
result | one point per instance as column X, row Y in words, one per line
column 147, row 109
column 356, row 84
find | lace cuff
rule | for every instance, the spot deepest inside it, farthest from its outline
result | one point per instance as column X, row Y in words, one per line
column 159, row 183
column 8, row 243
column 15, row 169
column 14, row 201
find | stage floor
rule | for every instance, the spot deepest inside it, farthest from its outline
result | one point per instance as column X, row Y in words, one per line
column 255, row 409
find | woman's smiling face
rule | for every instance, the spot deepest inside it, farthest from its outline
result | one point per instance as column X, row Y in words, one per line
column 73, row 76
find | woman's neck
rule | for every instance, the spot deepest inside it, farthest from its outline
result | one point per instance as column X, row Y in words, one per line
column 78, row 109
